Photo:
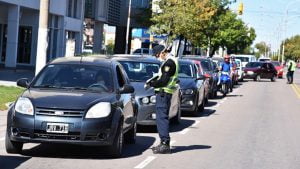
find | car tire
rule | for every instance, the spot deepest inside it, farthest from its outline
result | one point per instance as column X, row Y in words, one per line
column 195, row 112
column 115, row 150
column 130, row 136
column 12, row 147
column 177, row 118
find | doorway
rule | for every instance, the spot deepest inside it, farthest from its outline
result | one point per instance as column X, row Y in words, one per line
column 24, row 49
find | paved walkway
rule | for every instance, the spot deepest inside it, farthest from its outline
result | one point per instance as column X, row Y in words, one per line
column 9, row 77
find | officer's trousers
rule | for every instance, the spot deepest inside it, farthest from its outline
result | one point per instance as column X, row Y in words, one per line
column 290, row 76
column 163, row 103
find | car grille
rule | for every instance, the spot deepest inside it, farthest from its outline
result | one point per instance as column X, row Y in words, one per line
column 51, row 136
column 59, row 112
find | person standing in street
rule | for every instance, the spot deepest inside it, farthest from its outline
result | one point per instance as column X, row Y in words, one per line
column 164, row 85
column 291, row 69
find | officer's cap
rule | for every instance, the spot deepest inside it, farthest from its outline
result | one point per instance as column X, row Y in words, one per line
column 158, row 49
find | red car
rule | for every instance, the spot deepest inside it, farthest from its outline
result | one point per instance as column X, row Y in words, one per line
column 279, row 68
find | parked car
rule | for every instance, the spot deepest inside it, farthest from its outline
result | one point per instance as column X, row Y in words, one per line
column 209, row 69
column 87, row 49
column 279, row 68
column 239, row 69
column 264, row 59
column 142, row 51
column 260, row 70
column 206, row 80
column 84, row 101
column 192, row 87
column 139, row 70
column 245, row 59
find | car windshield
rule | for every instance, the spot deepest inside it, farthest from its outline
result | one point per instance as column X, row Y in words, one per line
column 243, row 59
column 205, row 65
column 76, row 77
column 276, row 63
column 140, row 71
column 253, row 65
column 185, row 71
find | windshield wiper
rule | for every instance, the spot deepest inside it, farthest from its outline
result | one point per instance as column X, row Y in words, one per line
column 47, row 86
column 137, row 80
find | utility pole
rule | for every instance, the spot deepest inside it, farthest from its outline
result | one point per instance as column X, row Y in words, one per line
column 42, row 42
column 128, row 27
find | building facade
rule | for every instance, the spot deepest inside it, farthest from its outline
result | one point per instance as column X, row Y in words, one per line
column 19, row 24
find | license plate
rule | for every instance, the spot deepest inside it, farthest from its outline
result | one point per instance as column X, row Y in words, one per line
column 57, row 128
column 250, row 73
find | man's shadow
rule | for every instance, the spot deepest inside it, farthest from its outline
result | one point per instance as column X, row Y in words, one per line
column 12, row 162
column 178, row 149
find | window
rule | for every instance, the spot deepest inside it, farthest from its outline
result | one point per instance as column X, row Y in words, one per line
column 72, row 8
column 185, row 71
column 121, row 80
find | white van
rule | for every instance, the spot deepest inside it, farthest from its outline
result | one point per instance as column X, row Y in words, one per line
column 245, row 59
column 264, row 59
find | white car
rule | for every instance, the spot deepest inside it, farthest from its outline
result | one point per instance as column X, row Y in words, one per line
column 245, row 59
column 239, row 69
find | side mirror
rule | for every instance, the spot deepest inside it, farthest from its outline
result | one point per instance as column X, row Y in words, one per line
column 23, row 83
column 126, row 89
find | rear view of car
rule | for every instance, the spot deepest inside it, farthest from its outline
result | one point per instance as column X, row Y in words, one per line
column 279, row 68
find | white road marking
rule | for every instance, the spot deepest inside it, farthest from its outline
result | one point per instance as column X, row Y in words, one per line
column 225, row 99
column 184, row 131
column 172, row 142
column 3, row 138
column 144, row 163
column 216, row 105
column 196, row 123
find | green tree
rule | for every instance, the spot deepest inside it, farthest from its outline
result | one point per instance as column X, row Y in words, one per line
column 262, row 48
column 292, row 48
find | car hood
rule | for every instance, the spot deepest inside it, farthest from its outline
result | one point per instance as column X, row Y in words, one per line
column 66, row 99
column 187, row 83
column 140, row 90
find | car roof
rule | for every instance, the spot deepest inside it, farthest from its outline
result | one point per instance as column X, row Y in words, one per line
column 185, row 61
column 98, row 60
column 136, row 58
column 195, row 57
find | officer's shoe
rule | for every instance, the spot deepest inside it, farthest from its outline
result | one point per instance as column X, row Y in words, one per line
column 162, row 148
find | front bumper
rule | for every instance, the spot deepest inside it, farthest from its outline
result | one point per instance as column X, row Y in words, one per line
column 146, row 114
column 90, row 132
column 248, row 75
column 188, row 102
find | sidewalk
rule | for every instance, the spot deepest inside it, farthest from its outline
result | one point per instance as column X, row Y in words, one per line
column 9, row 77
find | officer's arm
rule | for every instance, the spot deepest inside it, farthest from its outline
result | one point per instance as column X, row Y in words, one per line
column 168, row 70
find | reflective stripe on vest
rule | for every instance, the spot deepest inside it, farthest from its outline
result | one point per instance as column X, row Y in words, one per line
column 171, row 86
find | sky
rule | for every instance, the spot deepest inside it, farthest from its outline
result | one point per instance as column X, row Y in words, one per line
column 268, row 18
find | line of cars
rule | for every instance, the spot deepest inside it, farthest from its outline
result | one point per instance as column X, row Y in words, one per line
column 100, row 101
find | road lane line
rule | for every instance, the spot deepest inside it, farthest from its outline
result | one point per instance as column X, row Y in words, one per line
column 144, row 163
column 184, row 131
column 296, row 90
column 172, row 142
column 196, row 123
column 2, row 139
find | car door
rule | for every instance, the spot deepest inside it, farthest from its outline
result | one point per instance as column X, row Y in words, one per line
column 126, row 100
column 199, row 84
column 264, row 71
column 273, row 71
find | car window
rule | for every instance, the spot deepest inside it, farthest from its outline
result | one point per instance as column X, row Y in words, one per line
column 253, row 65
column 140, row 71
column 85, row 77
column 146, row 51
column 120, row 77
column 186, row 71
column 199, row 69
column 206, row 65
column 276, row 63
column 243, row 59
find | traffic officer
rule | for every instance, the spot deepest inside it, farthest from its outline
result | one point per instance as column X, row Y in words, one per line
column 164, row 85
column 291, row 69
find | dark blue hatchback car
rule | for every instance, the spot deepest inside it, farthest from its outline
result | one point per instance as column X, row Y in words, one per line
column 85, row 101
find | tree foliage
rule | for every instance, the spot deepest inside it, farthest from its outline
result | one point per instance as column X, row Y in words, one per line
column 205, row 23
column 262, row 48
column 292, row 48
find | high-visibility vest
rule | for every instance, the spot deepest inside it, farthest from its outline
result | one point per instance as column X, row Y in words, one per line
column 294, row 65
column 171, row 86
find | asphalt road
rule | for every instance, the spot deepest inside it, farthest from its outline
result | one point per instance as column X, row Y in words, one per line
column 255, row 127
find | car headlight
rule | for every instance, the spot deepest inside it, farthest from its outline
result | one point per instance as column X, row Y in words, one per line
column 153, row 99
column 188, row 91
column 145, row 100
column 24, row 106
column 99, row 110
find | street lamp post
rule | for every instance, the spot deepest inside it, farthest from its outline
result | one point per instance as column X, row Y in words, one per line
column 128, row 27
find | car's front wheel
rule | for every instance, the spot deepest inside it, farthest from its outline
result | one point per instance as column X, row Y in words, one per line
column 177, row 118
column 273, row 79
column 130, row 136
column 12, row 147
column 115, row 150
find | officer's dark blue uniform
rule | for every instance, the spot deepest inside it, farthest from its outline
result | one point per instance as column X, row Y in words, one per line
column 165, row 85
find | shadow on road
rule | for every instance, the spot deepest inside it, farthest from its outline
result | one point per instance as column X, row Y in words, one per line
column 207, row 112
column 12, row 162
column 84, row 152
column 211, row 103
column 177, row 149
column 184, row 123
